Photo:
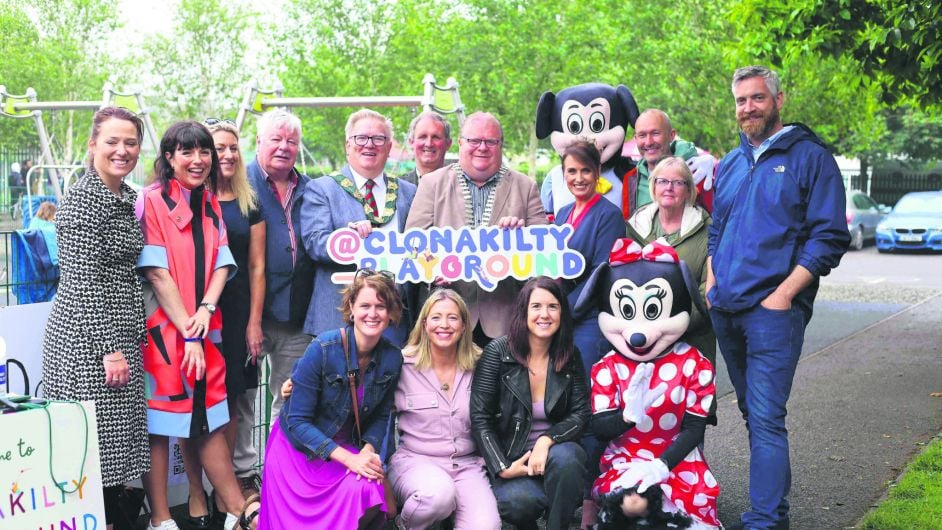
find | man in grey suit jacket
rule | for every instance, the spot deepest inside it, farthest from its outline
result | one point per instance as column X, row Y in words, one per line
column 480, row 191
column 430, row 140
column 343, row 200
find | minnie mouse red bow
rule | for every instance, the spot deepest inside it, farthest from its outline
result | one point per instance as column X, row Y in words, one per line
column 627, row 250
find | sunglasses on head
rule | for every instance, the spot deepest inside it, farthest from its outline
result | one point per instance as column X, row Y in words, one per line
column 366, row 273
column 214, row 121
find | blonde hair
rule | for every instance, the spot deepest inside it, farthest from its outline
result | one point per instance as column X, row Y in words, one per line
column 46, row 211
column 243, row 191
column 419, row 345
column 674, row 162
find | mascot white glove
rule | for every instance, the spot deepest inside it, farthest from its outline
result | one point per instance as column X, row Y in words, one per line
column 702, row 169
column 638, row 397
column 645, row 474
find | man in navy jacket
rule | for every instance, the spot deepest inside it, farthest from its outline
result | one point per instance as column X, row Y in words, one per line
column 289, row 271
column 778, row 225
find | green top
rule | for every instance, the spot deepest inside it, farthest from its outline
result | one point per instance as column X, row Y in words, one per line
column 658, row 232
column 681, row 148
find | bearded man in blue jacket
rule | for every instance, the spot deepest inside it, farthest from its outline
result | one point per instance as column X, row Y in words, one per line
column 778, row 226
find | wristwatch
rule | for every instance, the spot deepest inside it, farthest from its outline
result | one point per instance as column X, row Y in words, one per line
column 209, row 307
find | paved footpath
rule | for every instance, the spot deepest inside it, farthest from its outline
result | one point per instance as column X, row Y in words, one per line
column 860, row 409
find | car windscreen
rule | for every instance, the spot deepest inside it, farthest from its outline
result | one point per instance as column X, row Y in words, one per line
column 920, row 204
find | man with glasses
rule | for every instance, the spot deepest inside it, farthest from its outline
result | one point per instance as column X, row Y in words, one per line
column 480, row 191
column 656, row 140
column 362, row 197
column 288, row 270
column 778, row 225
column 430, row 139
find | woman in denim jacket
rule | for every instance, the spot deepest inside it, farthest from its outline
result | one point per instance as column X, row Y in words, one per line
column 314, row 473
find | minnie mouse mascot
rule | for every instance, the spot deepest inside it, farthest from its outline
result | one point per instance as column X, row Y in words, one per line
column 651, row 395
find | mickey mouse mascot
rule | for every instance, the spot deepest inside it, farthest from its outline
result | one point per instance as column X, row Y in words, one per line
column 596, row 113
column 651, row 394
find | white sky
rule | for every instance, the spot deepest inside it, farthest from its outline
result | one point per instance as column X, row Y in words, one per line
column 139, row 19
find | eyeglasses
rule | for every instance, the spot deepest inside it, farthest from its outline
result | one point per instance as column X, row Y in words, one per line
column 668, row 183
column 362, row 139
column 367, row 273
column 476, row 142
column 214, row 121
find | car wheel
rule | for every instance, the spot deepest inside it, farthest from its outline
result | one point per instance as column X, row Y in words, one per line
column 857, row 238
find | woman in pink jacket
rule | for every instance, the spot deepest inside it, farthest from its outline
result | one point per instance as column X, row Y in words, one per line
column 436, row 470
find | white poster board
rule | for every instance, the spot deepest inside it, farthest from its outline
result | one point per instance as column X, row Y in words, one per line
column 31, row 498
column 21, row 347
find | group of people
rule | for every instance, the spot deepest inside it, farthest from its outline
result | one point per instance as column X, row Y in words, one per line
column 439, row 402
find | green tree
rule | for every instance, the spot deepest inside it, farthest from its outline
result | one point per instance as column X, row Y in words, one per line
column 897, row 44
column 55, row 47
column 199, row 70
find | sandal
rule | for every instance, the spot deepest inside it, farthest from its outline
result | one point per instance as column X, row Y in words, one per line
column 245, row 518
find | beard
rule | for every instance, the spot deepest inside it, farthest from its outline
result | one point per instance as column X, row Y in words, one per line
column 759, row 130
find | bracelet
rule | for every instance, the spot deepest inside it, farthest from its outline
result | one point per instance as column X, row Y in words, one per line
column 192, row 339
column 119, row 359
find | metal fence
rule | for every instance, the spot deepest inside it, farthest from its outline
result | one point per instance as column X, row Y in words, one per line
column 12, row 185
column 8, row 286
column 886, row 187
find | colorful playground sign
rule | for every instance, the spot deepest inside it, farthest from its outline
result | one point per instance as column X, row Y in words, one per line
column 484, row 255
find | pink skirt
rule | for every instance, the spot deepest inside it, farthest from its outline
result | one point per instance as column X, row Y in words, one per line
column 298, row 492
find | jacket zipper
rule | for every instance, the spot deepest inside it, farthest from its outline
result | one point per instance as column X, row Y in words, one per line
column 516, row 432
column 566, row 433
column 493, row 449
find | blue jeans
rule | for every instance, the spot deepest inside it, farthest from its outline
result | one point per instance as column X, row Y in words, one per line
column 761, row 348
column 592, row 346
column 558, row 492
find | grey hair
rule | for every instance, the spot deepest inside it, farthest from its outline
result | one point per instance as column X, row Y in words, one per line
column 772, row 82
column 434, row 116
column 363, row 114
column 278, row 118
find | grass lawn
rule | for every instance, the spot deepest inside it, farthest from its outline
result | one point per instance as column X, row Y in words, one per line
column 916, row 502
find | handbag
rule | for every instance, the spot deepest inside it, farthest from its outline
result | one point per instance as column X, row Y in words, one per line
column 391, row 507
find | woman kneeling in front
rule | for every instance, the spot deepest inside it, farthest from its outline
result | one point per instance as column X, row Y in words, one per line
column 436, row 470
column 323, row 468
column 529, row 404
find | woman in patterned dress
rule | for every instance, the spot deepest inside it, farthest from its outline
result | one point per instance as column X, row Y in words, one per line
column 186, row 261
column 92, row 346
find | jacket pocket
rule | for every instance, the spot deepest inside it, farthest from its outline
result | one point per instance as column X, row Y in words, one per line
column 422, row 414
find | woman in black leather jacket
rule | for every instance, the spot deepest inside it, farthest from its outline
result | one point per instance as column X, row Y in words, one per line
column 529, row 404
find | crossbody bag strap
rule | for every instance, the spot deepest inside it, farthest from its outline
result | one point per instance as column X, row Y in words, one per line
column 352, row 380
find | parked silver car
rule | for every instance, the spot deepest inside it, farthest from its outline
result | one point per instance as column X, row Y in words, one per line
column 863, row 216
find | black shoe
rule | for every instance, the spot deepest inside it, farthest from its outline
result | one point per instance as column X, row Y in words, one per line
column 198, row 522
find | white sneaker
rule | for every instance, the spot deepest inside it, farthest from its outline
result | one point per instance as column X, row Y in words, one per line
column 169, row 524
column 232, row 522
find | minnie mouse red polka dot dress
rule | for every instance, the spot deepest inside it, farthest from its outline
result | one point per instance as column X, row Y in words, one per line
column 688, row 376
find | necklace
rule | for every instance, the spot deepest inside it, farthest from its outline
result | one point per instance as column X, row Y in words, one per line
column 446, row 381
